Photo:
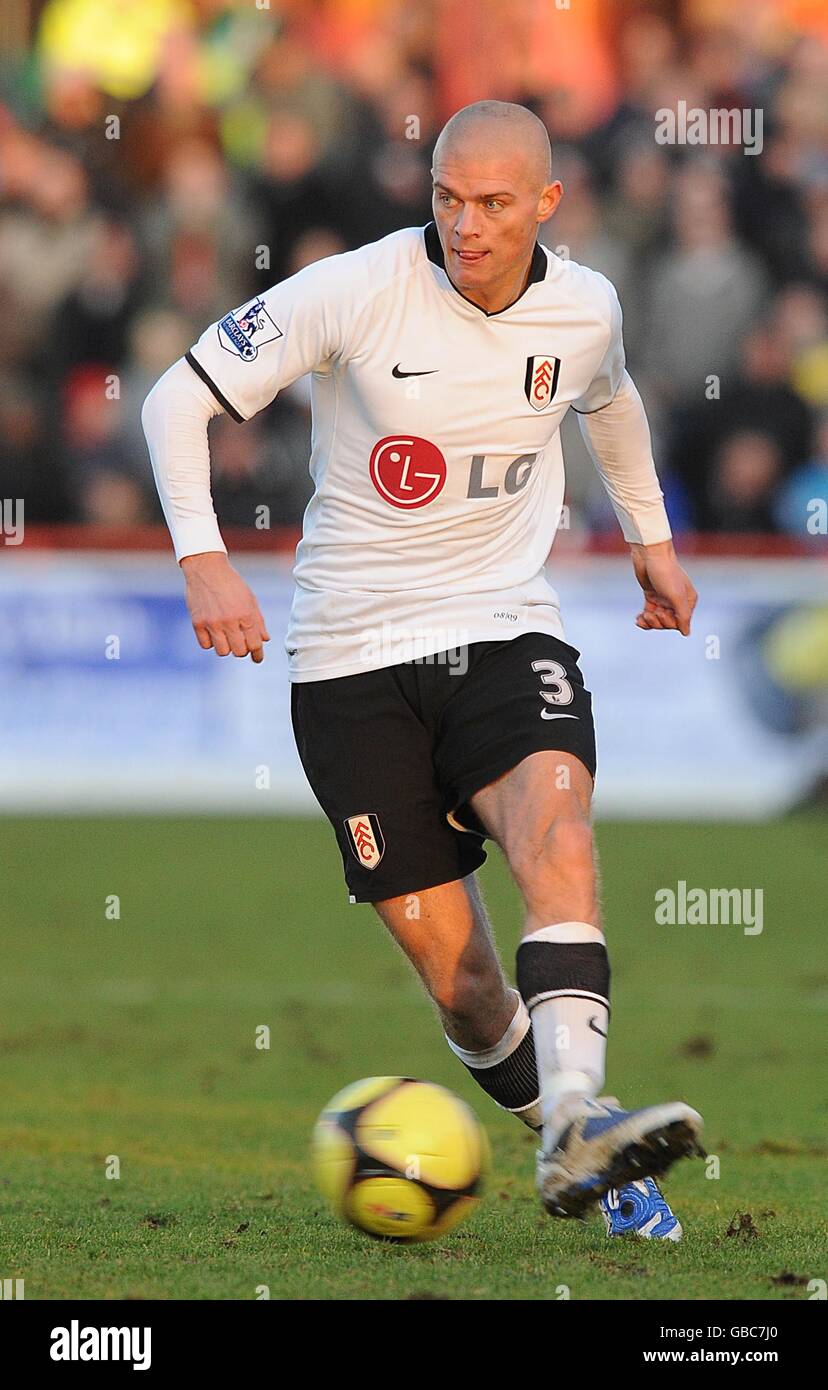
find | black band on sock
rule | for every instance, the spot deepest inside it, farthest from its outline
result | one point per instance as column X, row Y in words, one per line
column 547, row 968
column 512, row 1083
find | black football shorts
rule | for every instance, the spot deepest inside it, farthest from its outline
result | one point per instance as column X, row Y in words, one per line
column 393, row 755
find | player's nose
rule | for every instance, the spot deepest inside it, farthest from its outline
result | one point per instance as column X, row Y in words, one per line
column 468, row 223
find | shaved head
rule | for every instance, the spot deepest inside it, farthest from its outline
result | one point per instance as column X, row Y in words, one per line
column 499, row 128
column 492, row 189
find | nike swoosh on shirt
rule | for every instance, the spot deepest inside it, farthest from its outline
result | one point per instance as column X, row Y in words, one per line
column 395, row 371
column 546, row 715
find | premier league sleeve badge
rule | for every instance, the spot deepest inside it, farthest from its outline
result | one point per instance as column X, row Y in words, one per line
column 246, row 330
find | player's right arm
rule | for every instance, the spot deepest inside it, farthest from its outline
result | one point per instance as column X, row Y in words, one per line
column 175, row 416
column 238, row 366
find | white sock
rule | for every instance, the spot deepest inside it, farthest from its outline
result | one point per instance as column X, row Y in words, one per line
column 568, row 1001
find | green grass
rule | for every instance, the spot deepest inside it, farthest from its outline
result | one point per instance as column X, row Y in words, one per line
column 136, row 1038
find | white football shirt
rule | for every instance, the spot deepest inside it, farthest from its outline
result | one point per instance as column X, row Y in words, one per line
column 436, row 455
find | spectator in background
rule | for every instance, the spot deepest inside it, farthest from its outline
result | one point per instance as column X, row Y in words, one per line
column 31, row 461
column 703, row 294
column 746, row 471
column 637, row 212
column 256, row 480
column 805, row 490
column 396, row 189
column 200, row 237
column 759, row 397
column 801, row 321
column 290, row 193
column 769, row 208
column 651, row 74
column 47, row 234
column 107, row 480
column 289, row 79
column 91, row 324
column 778, row 195
column 818, row 237
column 637, row 218
column 578, row 227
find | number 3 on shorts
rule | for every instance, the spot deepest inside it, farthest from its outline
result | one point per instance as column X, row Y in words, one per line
column 553, row 674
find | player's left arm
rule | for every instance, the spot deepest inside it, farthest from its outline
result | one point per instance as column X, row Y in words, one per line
column 615, row 429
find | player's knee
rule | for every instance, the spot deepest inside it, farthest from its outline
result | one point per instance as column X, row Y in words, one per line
column 564, row 851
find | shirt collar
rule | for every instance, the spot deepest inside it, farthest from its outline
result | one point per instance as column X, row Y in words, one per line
column 434, row 251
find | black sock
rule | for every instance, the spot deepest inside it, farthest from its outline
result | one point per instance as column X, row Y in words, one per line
column 508, row 1071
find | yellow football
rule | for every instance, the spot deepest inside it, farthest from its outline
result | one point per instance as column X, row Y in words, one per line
column 400, row 1159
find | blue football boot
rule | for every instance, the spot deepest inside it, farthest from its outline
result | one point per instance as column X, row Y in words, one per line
column 639, row 1209
column 596, row 1146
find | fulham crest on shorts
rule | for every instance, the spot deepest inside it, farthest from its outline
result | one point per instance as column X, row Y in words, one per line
column 366, row 839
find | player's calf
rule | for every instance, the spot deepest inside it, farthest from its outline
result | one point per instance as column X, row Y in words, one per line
column 486, row 1023
column 475, row 1004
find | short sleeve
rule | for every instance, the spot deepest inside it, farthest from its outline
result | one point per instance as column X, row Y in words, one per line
column 609, row 375
column 298, row 326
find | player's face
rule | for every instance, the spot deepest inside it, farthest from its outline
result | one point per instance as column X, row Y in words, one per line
column 487, row 209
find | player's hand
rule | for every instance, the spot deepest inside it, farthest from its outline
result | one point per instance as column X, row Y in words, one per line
column 224, row 610
column 669, row 595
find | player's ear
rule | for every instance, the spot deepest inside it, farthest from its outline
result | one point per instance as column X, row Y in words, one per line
column 550, row 197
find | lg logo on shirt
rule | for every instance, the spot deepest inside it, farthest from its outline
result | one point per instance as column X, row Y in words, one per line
column 409, row 472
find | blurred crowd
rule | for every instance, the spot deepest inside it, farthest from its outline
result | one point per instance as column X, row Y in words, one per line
column 163, row 160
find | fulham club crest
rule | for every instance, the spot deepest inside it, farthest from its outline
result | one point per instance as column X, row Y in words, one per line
column 541, row 380
column 366, row 839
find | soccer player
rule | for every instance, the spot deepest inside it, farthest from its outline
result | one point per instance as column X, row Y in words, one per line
column 434, row 700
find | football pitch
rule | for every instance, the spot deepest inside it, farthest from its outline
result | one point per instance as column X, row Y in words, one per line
column 128, row 1044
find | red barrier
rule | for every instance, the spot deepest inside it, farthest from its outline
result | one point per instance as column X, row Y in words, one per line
column 283, row 539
